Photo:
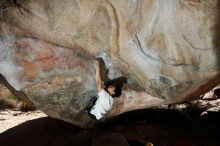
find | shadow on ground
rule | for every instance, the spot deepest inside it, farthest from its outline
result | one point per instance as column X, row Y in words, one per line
column 162, row 127
column 40, row 132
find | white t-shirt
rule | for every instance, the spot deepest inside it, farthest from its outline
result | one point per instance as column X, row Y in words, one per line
column 103, row 104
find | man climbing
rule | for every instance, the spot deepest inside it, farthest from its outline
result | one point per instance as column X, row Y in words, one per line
column 105, row 98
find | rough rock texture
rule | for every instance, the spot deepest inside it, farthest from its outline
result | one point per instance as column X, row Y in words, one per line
column 12, row 98
column 168, row 50
column 7, row 100
column 208, row 103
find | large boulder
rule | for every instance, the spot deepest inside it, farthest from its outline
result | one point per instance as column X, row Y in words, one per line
column 167, row 50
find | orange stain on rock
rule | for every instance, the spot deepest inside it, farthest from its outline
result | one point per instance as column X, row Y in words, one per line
column 46, row 56
column 30, row 70
column 45, row 59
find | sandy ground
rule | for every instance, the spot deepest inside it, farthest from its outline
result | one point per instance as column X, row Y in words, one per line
column 11, row 118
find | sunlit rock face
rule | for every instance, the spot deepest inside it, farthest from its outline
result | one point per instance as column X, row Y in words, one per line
column 164, row 48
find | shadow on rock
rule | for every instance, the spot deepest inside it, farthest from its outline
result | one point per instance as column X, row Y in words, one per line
column 167, row 127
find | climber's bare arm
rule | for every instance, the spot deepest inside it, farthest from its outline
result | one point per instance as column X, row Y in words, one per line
column 98, row 77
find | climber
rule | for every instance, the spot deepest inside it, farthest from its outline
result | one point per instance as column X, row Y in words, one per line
column 105, row 97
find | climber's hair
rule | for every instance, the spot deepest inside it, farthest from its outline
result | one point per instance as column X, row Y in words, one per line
column 117, row 83
column 110, row 83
